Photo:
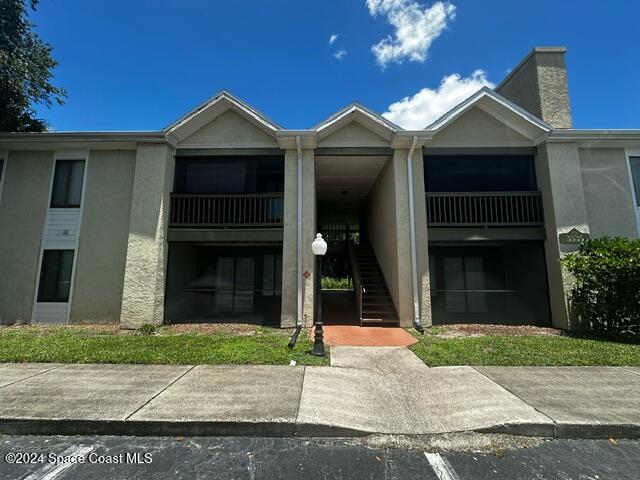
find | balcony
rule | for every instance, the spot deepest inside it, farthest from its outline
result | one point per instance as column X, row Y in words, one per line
column 484, row 209
column 226, row 210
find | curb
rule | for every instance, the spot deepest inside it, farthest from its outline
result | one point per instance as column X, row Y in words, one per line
column 287, row 429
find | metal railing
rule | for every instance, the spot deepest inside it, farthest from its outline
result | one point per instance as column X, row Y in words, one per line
column 226, row 210
column 484, row 209
column 340, row 232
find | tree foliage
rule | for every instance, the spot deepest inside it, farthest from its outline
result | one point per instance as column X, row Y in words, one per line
column 26, row 68
column 606, row 295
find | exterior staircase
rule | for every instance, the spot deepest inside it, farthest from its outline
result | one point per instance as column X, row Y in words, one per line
column 377, row 306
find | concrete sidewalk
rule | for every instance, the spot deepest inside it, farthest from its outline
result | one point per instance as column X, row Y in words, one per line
column 383, row 390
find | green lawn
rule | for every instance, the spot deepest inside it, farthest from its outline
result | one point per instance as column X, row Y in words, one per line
column 71, row 345
column 506, row 350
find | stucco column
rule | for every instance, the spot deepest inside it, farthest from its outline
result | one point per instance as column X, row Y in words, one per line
column 560, row 181
column 147, row 248
column 404, row 295
column 289, row 241
column 309, row 230
column 422, row 243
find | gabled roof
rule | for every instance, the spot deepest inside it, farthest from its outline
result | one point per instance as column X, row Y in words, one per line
column 358, row 113
column 212, row 108
column 500, row 108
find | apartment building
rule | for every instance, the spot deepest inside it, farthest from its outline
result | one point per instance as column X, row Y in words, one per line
column 212, row 218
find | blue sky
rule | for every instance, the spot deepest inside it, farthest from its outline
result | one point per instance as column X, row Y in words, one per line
column 140, row 64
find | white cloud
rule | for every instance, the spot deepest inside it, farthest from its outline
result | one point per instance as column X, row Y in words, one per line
column 416, row 27
column 427, row 105
column 340, row 54
column 333, row 38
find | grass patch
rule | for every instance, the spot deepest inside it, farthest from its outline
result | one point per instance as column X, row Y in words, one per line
column 71, row 345
column 505, row 350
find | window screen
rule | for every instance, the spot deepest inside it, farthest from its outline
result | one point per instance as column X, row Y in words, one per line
column 229, row 175
column 635, row 177
column 67, row 184
column 55, row 276
column 479, row 173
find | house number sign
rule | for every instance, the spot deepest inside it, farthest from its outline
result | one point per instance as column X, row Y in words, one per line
column 573, row 236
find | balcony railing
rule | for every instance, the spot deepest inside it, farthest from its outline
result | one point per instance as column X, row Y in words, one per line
column 226, row 210
column 486, row 209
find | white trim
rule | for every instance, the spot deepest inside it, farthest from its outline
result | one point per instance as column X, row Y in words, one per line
column 412, row 241
column 77, row 244
column 4, row 156
column 61, row 155
column 632, row 152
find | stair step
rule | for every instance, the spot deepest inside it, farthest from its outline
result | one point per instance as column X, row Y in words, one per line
column 377, row 306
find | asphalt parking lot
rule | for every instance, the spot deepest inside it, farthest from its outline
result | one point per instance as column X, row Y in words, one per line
column 57, row 457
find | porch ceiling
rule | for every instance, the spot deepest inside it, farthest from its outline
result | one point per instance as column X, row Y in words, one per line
column 346, row 176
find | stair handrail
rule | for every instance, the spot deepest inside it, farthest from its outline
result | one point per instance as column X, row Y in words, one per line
column 357, row 280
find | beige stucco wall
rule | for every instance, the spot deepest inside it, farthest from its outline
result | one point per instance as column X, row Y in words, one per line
column 607, row 191
column 353, row 135
column 422, row 250
column 102, row 250
column 381, row 227
column 289, row 307
column 476, row 128
column 147, row 248
column 389, row 232
column 229, row 130
column 309, row 231
column 560, row 181
column 23, row 209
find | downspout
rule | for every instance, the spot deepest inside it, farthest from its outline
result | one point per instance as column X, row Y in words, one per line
column 412, row 226
column 294, row 338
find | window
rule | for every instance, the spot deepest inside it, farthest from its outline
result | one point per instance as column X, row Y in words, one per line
column 55, row 276
column 634, row 162
column 67, row 184
column 480, row 173
column 1, row 169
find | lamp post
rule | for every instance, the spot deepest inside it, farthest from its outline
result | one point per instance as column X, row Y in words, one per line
column 319, row 248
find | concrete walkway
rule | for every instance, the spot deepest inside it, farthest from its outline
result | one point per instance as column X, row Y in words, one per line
column 365, row 391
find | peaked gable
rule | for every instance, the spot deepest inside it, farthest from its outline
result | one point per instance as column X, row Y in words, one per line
column 353, row 134
column 478, row 128
column 355, row 112
column 228, row 130
column 206, row 113
column 500, row 110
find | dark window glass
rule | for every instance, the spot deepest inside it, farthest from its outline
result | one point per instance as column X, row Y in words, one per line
column 479, row 173
column 55, row 276
column 1, row 168
column 229, row 175
column 67, row 184
column 635, row 177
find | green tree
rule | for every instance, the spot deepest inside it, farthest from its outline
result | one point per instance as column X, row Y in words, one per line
column 26, row 68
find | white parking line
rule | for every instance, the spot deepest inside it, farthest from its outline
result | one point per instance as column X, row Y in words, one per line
column 441, row 467
column 52, row 471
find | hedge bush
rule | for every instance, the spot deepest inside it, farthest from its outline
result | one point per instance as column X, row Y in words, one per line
column 606, row 296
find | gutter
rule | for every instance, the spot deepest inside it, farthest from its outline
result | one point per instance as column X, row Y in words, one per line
column 294, row 338
column 414, row 262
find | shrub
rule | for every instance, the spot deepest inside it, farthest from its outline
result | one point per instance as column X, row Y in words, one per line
column 606, row 295
column 332, row 283
column 147, row 329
